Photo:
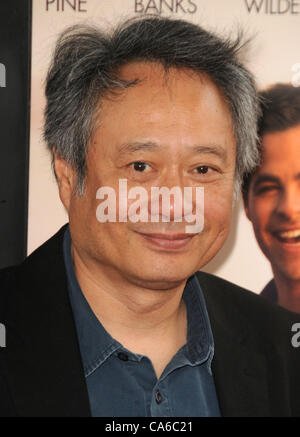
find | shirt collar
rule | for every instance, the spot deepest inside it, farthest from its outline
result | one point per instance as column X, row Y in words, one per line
column 97, row 345
column 200, row 341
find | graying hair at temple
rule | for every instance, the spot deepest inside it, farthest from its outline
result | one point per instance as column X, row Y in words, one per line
column 84, row 69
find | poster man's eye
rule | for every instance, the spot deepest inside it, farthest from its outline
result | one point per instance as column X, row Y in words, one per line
column 266, row 189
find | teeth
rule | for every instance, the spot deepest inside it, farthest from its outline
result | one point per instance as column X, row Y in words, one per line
column 290, row 234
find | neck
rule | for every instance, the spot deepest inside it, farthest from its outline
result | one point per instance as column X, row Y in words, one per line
column 146, row 321
column 288, row 291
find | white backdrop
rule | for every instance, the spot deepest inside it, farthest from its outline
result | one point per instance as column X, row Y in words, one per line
column 275, row 49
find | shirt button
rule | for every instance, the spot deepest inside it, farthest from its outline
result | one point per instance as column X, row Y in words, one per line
column 158, row 397
column 122, row 356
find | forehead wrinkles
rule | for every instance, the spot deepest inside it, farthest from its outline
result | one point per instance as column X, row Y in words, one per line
column 160, row 80
column 174, row 82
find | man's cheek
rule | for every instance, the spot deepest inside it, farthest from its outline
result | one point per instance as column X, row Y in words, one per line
column 217, row 212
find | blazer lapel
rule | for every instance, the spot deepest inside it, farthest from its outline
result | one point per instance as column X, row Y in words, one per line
column 239, row 371
column 240, row 376
column 44, row 366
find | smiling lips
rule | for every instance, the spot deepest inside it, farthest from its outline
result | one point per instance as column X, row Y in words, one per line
column 169, row 241
column 288, row 236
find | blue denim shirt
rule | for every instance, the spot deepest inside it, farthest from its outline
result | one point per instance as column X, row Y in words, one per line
column 123, row 384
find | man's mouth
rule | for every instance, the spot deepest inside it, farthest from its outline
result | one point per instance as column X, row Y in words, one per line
column 168, row 241
column 288, row 236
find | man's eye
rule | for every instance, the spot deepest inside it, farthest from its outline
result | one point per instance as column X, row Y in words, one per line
column 140, row 166
column 266, row 189
column 202, row 169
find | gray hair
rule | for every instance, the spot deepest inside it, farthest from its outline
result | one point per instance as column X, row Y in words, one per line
column 84, row 70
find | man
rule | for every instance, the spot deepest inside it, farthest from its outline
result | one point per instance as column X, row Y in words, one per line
column 272, row 194
column 111, row 317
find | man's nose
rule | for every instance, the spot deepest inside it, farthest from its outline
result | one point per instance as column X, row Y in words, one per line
column 170, row 203
column 288, row 206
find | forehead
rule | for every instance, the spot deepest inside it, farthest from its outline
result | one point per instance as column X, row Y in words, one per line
column 173, row 82
column 281, row 150
column 175, row 90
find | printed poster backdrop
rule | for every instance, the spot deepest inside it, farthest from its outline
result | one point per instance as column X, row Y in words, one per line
column 274, row 56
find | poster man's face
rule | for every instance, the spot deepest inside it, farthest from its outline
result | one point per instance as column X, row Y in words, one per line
column 168, row 130
column 274, row 202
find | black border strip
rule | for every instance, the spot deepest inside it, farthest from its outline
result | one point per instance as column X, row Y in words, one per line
column 28, row 113
column 15, row 54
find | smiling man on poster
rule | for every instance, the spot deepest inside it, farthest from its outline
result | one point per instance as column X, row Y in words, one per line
column 111, row 316
column 272, row 193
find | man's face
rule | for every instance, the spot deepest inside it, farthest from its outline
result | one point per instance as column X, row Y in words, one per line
column 274, row 202
column 168, row 130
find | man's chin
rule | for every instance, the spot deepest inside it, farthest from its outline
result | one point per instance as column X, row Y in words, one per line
column 291, row 275
column 162, row 280
column 290, row 271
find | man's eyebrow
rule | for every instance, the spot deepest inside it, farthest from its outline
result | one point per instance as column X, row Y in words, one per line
column 266, row 177
column 152, row 146
column 137, row 146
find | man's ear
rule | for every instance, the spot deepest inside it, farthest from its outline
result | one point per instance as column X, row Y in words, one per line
column 66, row 178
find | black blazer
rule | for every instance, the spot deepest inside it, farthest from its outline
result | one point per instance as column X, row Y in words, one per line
column 256, row 368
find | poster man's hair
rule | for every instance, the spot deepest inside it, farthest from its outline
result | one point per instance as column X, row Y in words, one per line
column 280, row 111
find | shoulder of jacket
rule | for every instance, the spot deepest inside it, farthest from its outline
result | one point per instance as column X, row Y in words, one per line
column 226, row 297
column 15, row 279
